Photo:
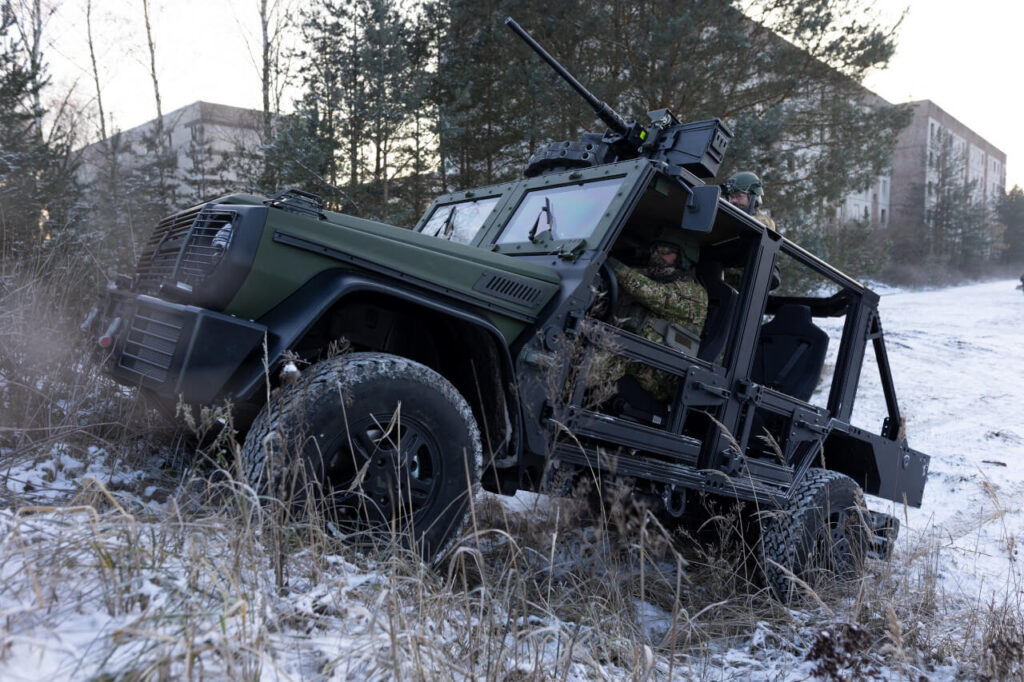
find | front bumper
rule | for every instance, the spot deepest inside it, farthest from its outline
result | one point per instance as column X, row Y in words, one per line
column 171, row 349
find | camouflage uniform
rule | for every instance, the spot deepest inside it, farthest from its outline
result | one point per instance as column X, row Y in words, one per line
column 648, row 307
column 766, row 220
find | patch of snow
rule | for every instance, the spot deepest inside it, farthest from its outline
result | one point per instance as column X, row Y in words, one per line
column 957, row 357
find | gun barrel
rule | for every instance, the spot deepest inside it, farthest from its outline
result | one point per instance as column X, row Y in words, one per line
column 603, row 111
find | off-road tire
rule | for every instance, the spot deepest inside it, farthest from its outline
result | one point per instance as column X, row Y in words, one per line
column 821, row 536
column 388, row 445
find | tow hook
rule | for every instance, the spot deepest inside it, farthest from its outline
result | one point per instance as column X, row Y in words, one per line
column 107, row 340
column 89, row 319
column 884, row 529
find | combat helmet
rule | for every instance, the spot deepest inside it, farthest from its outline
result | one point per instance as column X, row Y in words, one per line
column 748, row 183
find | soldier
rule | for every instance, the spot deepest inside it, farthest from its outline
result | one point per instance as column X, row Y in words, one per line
column 663, row 303
column 744, row 190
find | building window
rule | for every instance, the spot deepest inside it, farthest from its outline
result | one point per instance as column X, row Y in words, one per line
column 883, row 216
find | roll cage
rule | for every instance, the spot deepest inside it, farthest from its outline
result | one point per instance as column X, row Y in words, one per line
column 744, row 418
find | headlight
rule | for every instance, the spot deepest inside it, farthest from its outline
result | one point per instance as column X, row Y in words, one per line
column 221, row 240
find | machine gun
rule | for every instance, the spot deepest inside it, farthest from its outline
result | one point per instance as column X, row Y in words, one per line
column 696, row 147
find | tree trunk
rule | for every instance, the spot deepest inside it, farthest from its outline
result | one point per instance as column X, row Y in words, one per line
column 96, row 75
column 265, row 72
column 152, row 69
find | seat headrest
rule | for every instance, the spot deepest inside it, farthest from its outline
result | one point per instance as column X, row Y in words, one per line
column 792, row 315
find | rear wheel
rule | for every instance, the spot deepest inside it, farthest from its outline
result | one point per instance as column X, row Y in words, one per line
column 388, row 445
column 820, row 537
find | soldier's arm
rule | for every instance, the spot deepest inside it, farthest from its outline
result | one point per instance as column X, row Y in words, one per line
column 630, row 281
column 681, row 301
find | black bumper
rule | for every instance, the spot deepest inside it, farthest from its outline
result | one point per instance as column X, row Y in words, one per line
column 175, row 350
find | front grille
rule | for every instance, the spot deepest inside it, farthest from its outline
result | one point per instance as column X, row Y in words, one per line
column 181, row 250
column 152, row 338
column 160, row 256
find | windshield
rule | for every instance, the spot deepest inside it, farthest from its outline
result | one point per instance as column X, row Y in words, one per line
column 459, row 222
column 566, row 212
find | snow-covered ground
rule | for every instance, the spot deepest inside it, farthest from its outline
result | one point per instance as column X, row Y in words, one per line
column 126, row 594
column 957, row 357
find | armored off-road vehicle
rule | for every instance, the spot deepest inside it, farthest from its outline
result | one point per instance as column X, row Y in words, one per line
column 474, row 339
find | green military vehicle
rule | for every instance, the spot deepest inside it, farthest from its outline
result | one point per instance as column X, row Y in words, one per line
column 473, row 341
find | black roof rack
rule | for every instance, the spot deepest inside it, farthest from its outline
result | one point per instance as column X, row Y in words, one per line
column 298, row 201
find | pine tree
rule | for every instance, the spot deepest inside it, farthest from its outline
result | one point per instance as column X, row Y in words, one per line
column 958, row 230
column 359, row 127
column 1010, row 210
column 389, row 73
column 38, row 193
column 800, row 116
column 206, row 170
column 305, row 150
column 383, row 102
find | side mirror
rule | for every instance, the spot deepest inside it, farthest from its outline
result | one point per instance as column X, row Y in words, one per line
column 701, row 208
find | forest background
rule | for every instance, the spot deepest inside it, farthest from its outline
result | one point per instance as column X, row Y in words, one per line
column 400, row 101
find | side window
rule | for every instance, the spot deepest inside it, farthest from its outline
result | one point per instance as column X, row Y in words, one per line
column 869, row 408
column 459, row 222
column 566, row 212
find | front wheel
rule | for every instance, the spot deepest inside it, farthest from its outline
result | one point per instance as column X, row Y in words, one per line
column 389, row 446
column 821, row 535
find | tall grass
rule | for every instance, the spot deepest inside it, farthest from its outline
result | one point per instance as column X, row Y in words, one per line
column 185, row 573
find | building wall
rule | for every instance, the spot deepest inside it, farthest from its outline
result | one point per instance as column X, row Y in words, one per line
column 900, row 198
column 914, row 175
column 201, row 135
column 872, row 204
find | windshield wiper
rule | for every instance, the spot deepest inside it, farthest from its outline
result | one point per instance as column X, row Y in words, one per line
column 448, row 226
column 546, row 208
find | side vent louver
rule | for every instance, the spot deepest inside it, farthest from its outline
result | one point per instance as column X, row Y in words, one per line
column 508, row 288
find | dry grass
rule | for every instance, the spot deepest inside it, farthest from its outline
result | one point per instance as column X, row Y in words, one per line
column 184, row 573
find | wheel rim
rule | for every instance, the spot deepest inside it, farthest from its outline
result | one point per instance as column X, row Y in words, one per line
column 386, row 467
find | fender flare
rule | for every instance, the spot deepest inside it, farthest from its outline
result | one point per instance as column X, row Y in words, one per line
column 289, row 321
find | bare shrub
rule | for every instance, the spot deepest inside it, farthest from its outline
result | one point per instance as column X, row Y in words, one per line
column 841, row 653
column 1002, row 655
column 113, row 568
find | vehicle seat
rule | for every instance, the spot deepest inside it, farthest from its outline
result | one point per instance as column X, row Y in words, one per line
column 633, row 402
column 790, row 353
column 721, row 303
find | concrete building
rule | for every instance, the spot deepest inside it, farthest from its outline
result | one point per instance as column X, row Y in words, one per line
column 917, row 154
column 200, row 135
column 905, row 196
column 872, row 205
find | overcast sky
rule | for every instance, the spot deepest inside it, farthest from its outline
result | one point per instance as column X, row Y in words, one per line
column 966, row 57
